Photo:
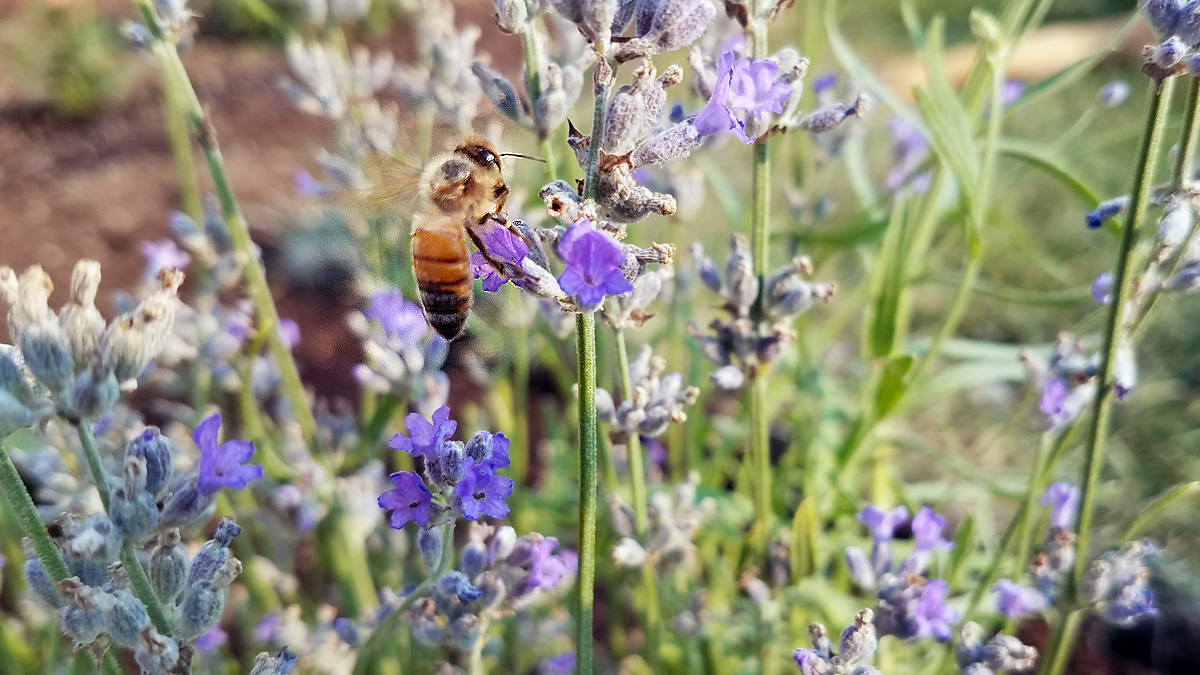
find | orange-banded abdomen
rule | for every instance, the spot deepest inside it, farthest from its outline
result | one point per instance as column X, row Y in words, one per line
column 441, row 263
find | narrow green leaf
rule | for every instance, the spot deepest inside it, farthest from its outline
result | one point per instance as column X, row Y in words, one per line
column 806, row 528
column 1039, row 156
column 888, row 287
column 1155, row 508
column 963, row 542
column 949, row 125
column 891, row 384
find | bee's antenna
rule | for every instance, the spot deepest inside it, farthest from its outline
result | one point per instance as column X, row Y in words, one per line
column 517, row 154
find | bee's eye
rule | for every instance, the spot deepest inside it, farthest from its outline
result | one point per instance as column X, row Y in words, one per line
column 486, row 156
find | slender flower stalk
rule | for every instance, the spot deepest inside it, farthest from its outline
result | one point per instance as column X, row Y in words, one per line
column 129, row 560
column 1063, row 637
column 760, row 221
column 176, row 78
column 585, row 345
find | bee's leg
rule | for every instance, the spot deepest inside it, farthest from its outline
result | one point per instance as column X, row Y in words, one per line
column 510, row 225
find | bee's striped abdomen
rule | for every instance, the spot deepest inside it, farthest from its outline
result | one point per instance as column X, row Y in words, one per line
column 441, row 263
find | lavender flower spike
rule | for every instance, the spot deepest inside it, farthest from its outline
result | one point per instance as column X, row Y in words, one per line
column 223, row 465
column 882, row 524
column 933, row 617
column 927, row 528
column 481, row 493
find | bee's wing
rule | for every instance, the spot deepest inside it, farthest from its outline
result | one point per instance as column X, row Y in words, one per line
column 394, row 184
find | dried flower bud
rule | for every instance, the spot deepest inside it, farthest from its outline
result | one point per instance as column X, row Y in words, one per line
column 124, row 617
column 168, row 567
column 39, row 580
column 511, row 15
column 158, row 453
column 623, row 122
column 80, row 320
column 132, row 340
column 429, row 542
column 500, row 92
column 265, row 664
column 551, row 108
column 628, row 553
column 857, row 644
column 1162, row 15
column 155, row 654
column 48, row 355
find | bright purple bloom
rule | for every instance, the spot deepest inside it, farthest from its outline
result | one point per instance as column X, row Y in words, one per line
column 211, row 641
column 223, row 466
column 756, row 89
column 1102, row 288
column 933, row 617
column 927, row 528
column 267, row 627
column 1063, row 500
column 594, row 262
column 545, row 568
column 1015, row 599
column 882, row 525
column 502, row 245
column 399, row 317
column 163, row 254
column 425, row 438
column 410, row 499
column 716, row 116
column 909, row 150
column 499, row 458
column 1114, row 93
column 482, row 493
column 559, row 664
column 1054, row 394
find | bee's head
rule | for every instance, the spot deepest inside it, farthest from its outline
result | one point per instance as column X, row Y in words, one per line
column 480, row 153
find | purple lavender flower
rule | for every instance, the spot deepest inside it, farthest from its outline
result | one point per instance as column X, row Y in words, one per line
column 222, row 465
column 594, row 262
column 290, row 330
column 1054, row 393
column 503, row 245
column 1109, row 208
column 909, row 150
column 882, row 524
column 1102, row 288
column 211, row 641
column 399, row 317
column 163, row 254
column 1114, row 93
column 927, row 528
column 755, row 88
column 1015, row 599
column 426, row 437
column 716, row 117
column 1011, row 92
column 481, row 493
column 1063, row 500
column 410, row 499
column 545, row 568
column 559, row 664
column 932, row 616
column 267, row 627
column 499, row 459
column 306, row 184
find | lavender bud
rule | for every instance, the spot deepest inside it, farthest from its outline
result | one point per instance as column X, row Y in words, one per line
column 474, row 559
column 1162, row 15
column 457, row 584
column 1188, row 28
column 80, row 320
column 1007, row 653
column 12, row 376
column 135, row 516
column 511, row 15
column 429, row 541
column 479, row 447
column 47, row 355
column 623, row 121
column 124, row 617
column 94, row 392
column 820, row 639
column 628, row 553
column 570, row 10
column 1109, row 208
column 1173, row 228
column 265, row 664
column 451, row 462
column 1114, row 93
column 729, row 378
column 159, row 454
column 562, row 201
column 91, row 573
column 499, row 91
column 213, row 555
column 862, row 573
column 168, row 568
column 202, row 605
column 186, row 504
column 1168, row 54
column 427, row 630
column 679, row 23
column 155, row 654
column 39, row 580
column 667, row 146
column 494, row 591
column 465, row 632
column 551, row 108
column 502, row 544
column 857, row 644
column 598, row 16
column 625, row 10
column 826, row 118
column 96, row 538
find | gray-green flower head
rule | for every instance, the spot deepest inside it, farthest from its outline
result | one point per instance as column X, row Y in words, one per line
column 133, row 339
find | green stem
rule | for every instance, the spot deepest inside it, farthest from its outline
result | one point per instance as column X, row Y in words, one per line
column 760, row 447
column 585, row 341
column 1122, row 285
column 176, row 77
column 1191, row 133
column 1057, row 651
column 133, row 567
column 637, row 480
column 390, row 623
column 181, row 151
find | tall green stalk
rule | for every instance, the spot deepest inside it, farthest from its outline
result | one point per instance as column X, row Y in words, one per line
column 585, row 347
column 1063, row 637
column 18, row 499
column 176, row 77
column 129, row 560
column 760, row 223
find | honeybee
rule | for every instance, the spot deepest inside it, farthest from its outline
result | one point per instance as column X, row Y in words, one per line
column 460, row 192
